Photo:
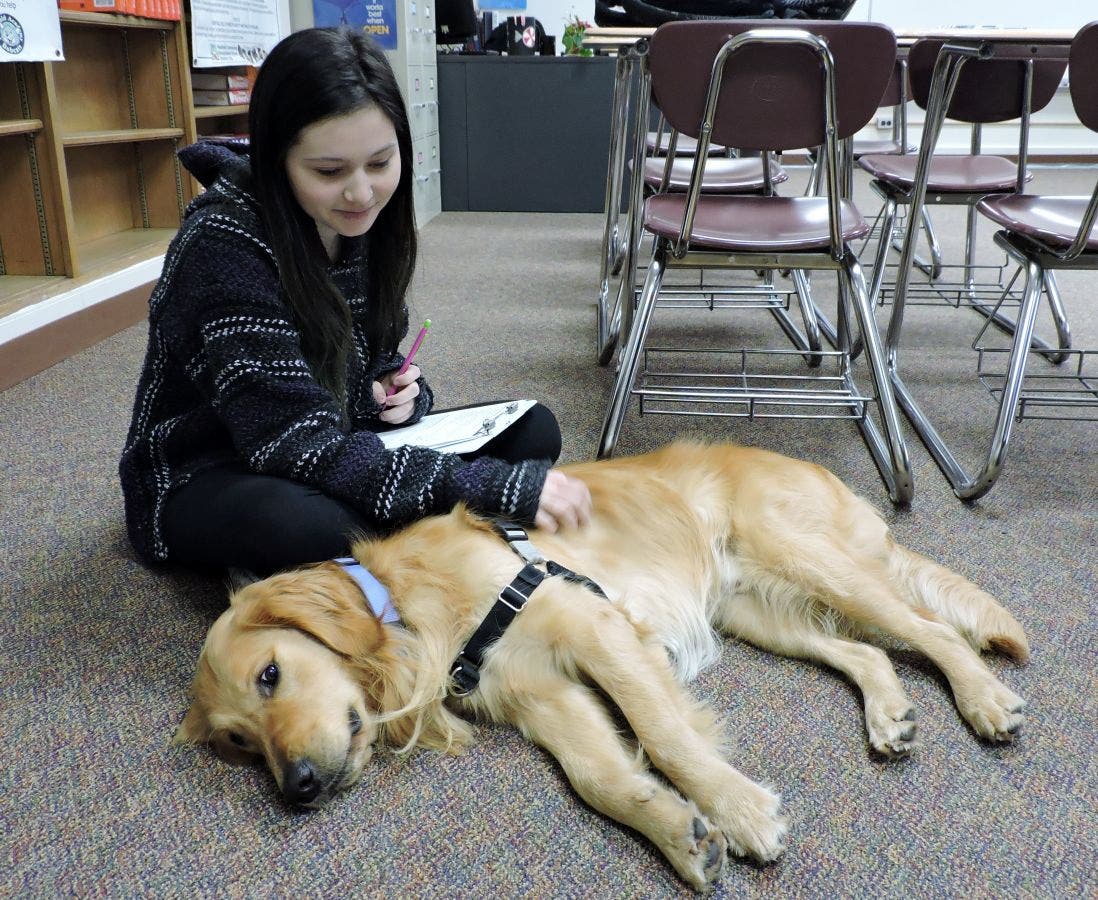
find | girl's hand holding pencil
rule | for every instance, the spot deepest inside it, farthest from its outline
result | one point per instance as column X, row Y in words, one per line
column 397, row 391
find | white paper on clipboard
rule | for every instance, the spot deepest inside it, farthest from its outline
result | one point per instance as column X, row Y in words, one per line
column 457, row 430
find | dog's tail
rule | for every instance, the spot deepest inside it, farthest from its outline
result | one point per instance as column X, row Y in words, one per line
column 938, row 593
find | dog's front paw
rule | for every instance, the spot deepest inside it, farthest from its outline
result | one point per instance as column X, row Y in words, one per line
column 995, row 712
column 891, row 728
column 709, row 848
column 698, row 854
column 754, row 826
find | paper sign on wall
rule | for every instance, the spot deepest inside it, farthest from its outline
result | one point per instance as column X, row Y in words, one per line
column 30, row 30
column 234, row 32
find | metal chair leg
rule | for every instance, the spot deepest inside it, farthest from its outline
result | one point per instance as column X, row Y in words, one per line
column 1054, row 354
column 935, row 267
column 889, row 450
column 807, row 342
column 612, row 238
column 888, row 229
column 931, row 268
column 809, row 314
column 1059, row 318
column 972, row 487
column 631, row 352
column 970, row 253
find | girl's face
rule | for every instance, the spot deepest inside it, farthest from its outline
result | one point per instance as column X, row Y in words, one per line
column 343, row 170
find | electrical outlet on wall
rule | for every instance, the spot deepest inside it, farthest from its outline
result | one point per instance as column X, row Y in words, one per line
column 884, row 121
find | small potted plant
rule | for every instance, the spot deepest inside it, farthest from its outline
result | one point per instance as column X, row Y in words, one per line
column 574, row 32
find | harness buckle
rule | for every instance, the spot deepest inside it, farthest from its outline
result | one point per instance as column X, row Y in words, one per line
column 520, row 542
column 466, row 676
column 513, row 598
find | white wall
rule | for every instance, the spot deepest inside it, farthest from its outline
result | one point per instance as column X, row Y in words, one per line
column 1002, row 13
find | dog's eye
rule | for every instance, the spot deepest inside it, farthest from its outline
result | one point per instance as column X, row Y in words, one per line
column 268, row 679
column 237, row 739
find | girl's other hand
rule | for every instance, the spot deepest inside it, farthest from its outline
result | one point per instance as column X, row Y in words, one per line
column 565, row 502
column 398, row 407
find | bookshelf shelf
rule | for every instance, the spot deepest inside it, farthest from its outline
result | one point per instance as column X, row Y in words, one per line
column 19, row 126
column 124, row 248
column 218, row 112
column 120, row 136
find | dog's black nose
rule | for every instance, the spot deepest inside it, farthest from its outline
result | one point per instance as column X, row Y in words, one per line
column 299, row 782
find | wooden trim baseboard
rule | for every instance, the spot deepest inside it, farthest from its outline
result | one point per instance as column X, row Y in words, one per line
column 31, row 353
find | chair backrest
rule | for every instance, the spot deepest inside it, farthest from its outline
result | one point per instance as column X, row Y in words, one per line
column 897, row 91
column 772, row 96
column 991, row 90
column 1083, row 75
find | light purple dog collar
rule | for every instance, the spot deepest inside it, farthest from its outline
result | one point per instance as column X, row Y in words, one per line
column 377, row 595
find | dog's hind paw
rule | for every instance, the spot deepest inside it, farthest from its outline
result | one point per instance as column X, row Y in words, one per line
column 996, row 714
column 892, row 733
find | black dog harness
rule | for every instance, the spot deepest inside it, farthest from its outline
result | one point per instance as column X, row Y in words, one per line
column 510, row 602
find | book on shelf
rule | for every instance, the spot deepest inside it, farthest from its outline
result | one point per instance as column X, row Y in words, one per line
column 221, row 98
column 105, row 6
column 149, row 9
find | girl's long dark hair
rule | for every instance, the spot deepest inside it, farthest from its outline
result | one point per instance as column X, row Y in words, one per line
column 309, row 76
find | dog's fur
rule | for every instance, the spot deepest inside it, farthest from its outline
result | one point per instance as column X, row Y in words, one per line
column 687, row 541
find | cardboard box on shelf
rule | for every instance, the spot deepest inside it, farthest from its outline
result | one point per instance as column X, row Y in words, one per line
column 220, row 98
column 221, row 81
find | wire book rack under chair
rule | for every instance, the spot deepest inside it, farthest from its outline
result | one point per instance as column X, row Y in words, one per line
column 1041, row 234
column 767, row 86
column 984, row 91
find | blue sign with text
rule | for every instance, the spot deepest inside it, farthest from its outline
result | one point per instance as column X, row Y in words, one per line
column 377, row 18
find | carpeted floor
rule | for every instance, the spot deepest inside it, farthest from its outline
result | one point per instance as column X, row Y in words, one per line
column 96, row 652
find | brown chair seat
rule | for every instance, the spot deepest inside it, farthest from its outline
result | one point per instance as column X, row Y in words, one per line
column 722, row 176
column 684, row 146
column 1053, row 220
column 752, row 224
column 948, row 174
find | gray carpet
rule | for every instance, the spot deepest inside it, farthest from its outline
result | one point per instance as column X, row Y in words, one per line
column 96, row 652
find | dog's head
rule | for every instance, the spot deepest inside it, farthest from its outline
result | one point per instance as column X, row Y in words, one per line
column 284, row 676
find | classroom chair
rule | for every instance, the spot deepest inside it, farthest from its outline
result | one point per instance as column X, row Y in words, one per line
column 984, row 91
column 726, row 81
column 1042, row 234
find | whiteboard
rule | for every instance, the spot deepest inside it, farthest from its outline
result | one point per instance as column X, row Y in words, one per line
column 901, row 14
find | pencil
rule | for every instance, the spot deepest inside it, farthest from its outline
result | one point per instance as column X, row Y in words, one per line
column 411, row 354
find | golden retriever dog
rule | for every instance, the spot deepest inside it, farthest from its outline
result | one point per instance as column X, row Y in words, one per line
column 689, row 542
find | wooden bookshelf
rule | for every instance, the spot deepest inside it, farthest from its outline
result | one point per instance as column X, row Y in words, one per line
column 88, row 167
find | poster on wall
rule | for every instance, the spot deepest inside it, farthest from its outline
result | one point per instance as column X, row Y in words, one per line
column 377, row 18
column 234, row 32
column 30, row 31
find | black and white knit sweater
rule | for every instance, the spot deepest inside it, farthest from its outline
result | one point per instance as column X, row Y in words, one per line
column 224, row 380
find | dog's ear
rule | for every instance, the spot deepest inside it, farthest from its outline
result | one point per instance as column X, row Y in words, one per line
column 322, row 601
column 240, row 579
column 195, row 727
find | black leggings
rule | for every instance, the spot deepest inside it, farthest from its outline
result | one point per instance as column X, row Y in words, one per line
column 230, row 517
